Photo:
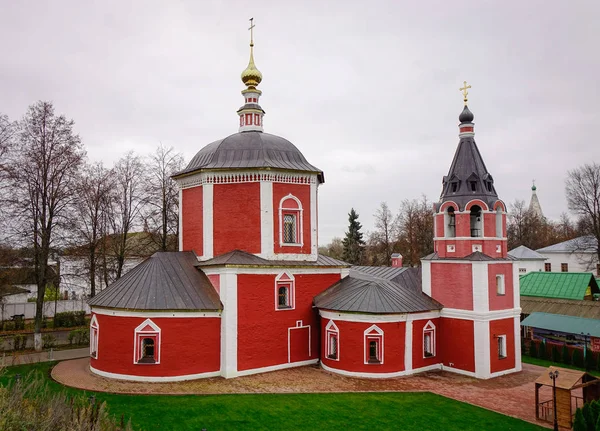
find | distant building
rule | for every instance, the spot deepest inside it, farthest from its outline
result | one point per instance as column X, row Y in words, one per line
column 527, row 259
column 534, row 203
column 574, row 255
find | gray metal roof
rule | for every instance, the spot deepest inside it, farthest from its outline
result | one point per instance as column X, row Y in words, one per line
column 405, row 276
column 476, row 256
column 251, row 150
column 468, row 166
column 364, row 293
column 164, row 281
column 582, row 244
column 525, row 253
column 242, row 258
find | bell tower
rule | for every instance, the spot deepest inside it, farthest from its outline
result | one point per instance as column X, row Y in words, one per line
column 470, row 272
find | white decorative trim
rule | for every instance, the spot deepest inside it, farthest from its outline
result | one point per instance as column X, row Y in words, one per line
column 139, row 333
column 504, row 372
column 276, row 367
column 180, row 221
column 290, row 340
column 481, row 330
column 291, row 256
column 480, row 287
column 291, row 293
column 430, row 328
column 408, row 346
column 377, row 336
column 245, row 176
column 154, row 379
column 454, row 313
column 426, row 277
column 94, row 337
column 467, row 238
column 377, row 318
column 516, row 286
column 330, row 330
column 154, row 314
column 314, row 231
column 207, row 221
column 299, row 228
column 380, row 375
column 517, row 343
column 269, row 270
column 267, row 230
column 458, row 371
column 229, row 324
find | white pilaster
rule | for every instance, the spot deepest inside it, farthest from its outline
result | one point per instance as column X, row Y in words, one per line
column 518, row 365
column 516, row 286
column 481, row 302
column 229, row 324
column 482, row 349
column 426, row 277
column 207, row 220
column 266, row 219
column 408, row 346
column 180, row 210
column 313, row 219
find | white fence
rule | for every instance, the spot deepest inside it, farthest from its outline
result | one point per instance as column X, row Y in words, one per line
column 28, row 308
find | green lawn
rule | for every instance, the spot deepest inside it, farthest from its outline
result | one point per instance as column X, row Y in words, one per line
column 351, row 411
column 545, row 363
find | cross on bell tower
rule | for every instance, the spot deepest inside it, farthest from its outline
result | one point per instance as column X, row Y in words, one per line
column 251, row 114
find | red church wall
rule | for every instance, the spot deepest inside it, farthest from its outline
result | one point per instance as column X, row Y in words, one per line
column 352, row 347
column 236, row 217
column 191, row 220
column 502, row 327
column 456, row 343
column 418, row 360
column 439, row 225
column 501, row 302
column 489, row 225
column 263, row 330
column 215, row 280
column 181, row 340
column 463, row 225
column 302, row 192
column 452, row 285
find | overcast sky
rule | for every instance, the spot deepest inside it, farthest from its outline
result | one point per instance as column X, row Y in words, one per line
column 368, row 91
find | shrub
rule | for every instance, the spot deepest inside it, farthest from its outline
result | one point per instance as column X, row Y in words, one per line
column 579, row 422
column 588, row 416
column 9, row 326
column 555, row 354
column 533, row 349
column 577, row 358
column 19, row 322
column 79, row 336
column 566, row 357
column 69, row 319
column 19, row 342
column 595, row 406
column 48, row 341
column 590, row 360
column 542, row 352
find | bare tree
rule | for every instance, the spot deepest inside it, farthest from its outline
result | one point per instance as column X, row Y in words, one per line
column 383, row 239
column 161, row 217
column 415, row 227
column 7, row 132
column 127, row 203
column 93, row 201
column 582, row 188
column 334, row 249
column 43, row 176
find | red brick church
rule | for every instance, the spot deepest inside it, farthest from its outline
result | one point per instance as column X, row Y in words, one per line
column 249, row 293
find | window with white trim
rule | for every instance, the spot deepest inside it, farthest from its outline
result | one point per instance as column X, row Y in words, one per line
column 500, row 288
column 373, row 345
column 284, row 292
column 429, row 340
column 501, row 346
column 332, row 338
column 147, row 343
column 290, row 221
column 94, row 334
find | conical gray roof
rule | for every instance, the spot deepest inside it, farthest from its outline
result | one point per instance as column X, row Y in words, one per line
column 167, row 281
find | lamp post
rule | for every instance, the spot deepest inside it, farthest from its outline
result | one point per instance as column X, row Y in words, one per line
column 585, row 363
column 554, row 375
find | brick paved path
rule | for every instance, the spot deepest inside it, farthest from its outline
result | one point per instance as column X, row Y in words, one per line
column 512, row 395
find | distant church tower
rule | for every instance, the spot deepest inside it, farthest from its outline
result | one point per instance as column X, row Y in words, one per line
column 470, row 272
column 534, row 204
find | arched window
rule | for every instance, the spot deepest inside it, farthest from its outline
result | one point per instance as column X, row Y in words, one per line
column 147, row 343
column 450, row 223
column 429, row 340
column 373, row 345
column 290, row 221
column 332, row 337
column 476, row 224
column 284, row 292
column 94, row 334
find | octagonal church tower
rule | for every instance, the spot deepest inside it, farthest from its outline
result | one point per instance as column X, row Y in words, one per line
column 470, row 271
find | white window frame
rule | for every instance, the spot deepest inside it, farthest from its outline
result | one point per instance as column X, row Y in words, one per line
column 429, row 329
column 139, row 334
column 285, row 279
column 94, row 336
column 502, row 353
column 331, row 332
column 500, row 285
column 298, row 212
column 373, row 333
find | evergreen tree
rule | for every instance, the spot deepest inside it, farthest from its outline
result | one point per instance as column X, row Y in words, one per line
column 566, row 357
column 533, row 349
column 579, row 422
column 353, row 241
column 577, row 358
column 598, row 423
column 595, row 406
column 555, row 354
column 590, row 361
column 588, row 416
column 542, row 353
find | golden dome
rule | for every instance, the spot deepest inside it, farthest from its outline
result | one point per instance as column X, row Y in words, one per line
column 251, row 76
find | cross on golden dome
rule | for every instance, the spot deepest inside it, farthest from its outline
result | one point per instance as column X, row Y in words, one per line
column 251, row 76
column 464, row 91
